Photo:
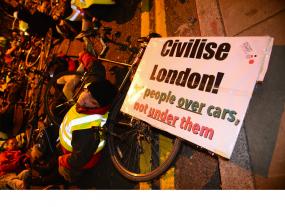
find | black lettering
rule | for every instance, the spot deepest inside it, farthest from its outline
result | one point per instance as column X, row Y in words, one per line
column 171, row 74
column 180, row 48
column 201, row 48
column 173, row 48
column 189, row 46
column 182, row 77
column 210, row 52
column 194, row 80
column 194, row 48
column 152, row 76
column 203, row 82
column 223, row 51
column 218, row 81
column 207, row 80
column 165, row 51
column 161, row 74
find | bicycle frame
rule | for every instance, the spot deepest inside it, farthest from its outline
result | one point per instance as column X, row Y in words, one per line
column 131, row 66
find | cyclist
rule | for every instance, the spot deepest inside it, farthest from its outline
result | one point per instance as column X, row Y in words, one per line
column 81, row 143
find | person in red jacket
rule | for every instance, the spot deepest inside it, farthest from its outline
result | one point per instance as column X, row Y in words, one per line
column 12, row 167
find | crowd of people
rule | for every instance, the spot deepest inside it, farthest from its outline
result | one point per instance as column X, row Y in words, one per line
column 57, row 155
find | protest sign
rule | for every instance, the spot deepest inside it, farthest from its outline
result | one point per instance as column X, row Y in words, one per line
column 198, row 88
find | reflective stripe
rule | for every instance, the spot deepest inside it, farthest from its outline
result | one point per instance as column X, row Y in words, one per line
column 100, row 146
column 88, row 122
column 103, row 121
column 64, row 140
column 65, row 129
column 67, row 144
column 85, row 119
column 76, row 121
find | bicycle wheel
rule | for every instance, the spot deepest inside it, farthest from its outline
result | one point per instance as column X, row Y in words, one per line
column 139, row 151
column 33, row 54
column 46, row 50
column 62, row 92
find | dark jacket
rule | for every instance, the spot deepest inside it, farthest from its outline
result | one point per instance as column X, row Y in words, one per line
column 84, row 144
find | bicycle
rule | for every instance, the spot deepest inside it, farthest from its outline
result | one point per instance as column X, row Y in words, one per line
column 133, row 144
column 34, row 47
column 39, row 51
column 42, row 76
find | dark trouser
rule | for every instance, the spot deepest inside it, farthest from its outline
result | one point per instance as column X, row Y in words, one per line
column 6, row 121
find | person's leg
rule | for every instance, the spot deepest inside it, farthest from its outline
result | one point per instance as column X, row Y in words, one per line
column 24, row 175
column 70, row 85
column 86, row 25
column 20, row 181
column 11, row 181
column 16, row 184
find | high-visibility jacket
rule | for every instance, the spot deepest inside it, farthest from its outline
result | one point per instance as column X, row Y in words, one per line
column 87, row 3
column 78, row 121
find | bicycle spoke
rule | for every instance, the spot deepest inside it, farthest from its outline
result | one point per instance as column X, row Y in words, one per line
column 141, row 151
column 128, row 156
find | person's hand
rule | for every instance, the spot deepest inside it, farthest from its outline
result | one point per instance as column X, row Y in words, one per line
column 15, row 14
column 64, row 172
column 35, row 153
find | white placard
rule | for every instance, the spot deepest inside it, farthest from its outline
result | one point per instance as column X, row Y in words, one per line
column 198, row 88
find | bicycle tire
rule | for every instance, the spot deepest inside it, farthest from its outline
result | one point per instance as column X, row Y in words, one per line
column 125, row 138
column 33, row 54
column 56, row 104
column 46, row 50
